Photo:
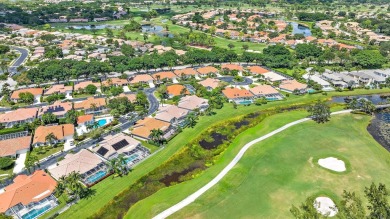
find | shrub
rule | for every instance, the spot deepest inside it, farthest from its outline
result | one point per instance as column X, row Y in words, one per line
column 6, row 162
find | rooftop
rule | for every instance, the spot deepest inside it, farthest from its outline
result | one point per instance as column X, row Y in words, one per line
column 27, row 189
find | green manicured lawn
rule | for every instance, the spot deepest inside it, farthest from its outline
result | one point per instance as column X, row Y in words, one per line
column 281, row 171
column 46, row 151
column 108, row 188
column 151, row 147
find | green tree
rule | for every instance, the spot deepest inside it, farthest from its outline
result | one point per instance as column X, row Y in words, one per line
column 369, row 59
column 90, row 89
column 319, row 112
column 49, row 118
column 191, row 120
column 6, row 162
column 26, row 97
column 50, row 138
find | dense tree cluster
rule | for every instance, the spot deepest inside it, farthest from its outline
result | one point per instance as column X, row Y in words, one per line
column 317, row 16
column 65, row 69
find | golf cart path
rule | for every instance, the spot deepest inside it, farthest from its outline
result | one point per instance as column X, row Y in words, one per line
column 191, row 198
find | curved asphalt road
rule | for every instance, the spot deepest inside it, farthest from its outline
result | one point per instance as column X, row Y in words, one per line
column 19, row 61
column 191, row 198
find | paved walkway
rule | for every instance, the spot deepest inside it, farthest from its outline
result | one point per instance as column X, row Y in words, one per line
column 19, row 163
column 191, row 198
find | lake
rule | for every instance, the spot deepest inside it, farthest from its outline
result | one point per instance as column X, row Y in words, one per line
column 375, row 98
column 96, row 27
column 300, row 29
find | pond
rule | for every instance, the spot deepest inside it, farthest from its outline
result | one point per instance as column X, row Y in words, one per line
column 379, row 128
column 218, row 139
column 96, row 27
column 158, row 30
column 375, row 98
column 300, row 29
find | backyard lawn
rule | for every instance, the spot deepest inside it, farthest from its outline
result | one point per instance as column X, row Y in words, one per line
column 281, row 171
column 45, row 151
column 108, row 188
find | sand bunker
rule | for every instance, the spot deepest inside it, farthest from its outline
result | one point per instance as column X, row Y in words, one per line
column 325, row 206
column 332, row 163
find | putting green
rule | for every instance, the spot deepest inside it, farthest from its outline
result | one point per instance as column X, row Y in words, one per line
column 280, row 171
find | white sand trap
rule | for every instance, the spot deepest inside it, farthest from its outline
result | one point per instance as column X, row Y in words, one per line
column 325, row 206
column 332, row 163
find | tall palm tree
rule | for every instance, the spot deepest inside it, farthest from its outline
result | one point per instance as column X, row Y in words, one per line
column 156, row 135
column 191, row 120
column 50, row 138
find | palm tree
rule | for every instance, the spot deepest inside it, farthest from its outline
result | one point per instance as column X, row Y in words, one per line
column 93, row 106
column 50, row 138
column 191, row 120
column 156, row 135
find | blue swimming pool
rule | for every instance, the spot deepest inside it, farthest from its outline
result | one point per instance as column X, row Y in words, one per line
column 272, row 98
column 36, row 212
column 95, row 177
column 102, row 122
column 245, row 102
column 132, row 157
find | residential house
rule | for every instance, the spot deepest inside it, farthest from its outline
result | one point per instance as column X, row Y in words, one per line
column 114, row 145
column 58, row 108
column 171, row 114
column 28, row 195
column 83, row 162
column 193, row 102
column 15, row 146
column 142, row 79
column 186, row 73
column 92, row 105
column 59, row 89
column 37, row 92
column 326, row 86
column 237, row 95
column 257, row 70
column 62, row 133
column 232, row 67
column 18, row 116
column 207, row 71
column 82, row 85
column 290, row 86
column 131, row 97
column 176, row 90
column 273, row 77
column 116, row 82
column 83, row 123
column 143, row 128
column 163, row 76
column 267, row 91
column 210, row 83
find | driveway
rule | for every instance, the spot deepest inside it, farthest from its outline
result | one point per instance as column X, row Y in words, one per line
column 19, row 163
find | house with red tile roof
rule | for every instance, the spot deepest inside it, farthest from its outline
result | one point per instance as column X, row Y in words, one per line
column 115, row 82
column 59, row 89
column 257, row 70
column 232, row 67
column 290, row 86
column 37, row 92
column 143, row 128
column 18, row 116
column 165, row 75
column 177, row 90
column 141, row 79
column 92, row 105
column 58, row 108
column 82, row 85
column 15, row 146
column 62, row 133
column 237, row 95
column 207, row 70
column 210, row 83
column 28, row 194
column 186, row 72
